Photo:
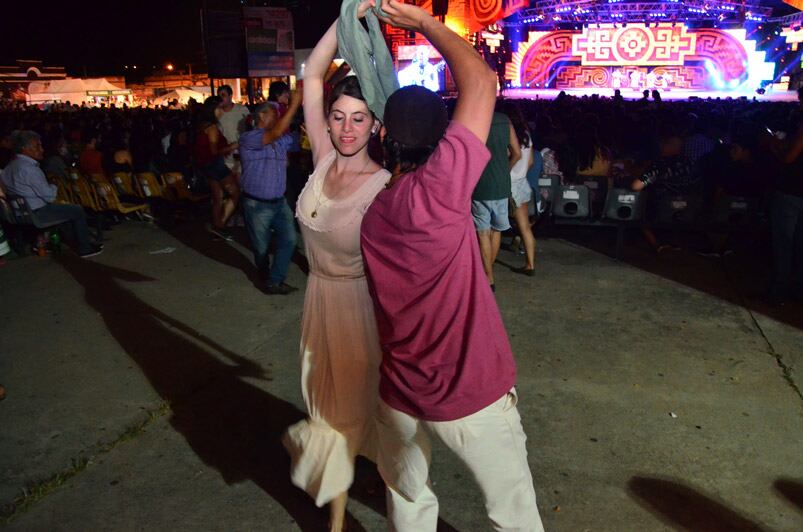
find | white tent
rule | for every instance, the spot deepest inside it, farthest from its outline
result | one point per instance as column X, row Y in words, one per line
column 72, row 90
column 182, row 95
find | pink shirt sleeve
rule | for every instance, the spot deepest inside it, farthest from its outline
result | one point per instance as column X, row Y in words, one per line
column 452, row 171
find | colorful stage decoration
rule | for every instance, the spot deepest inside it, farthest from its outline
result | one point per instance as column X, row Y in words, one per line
column 488, row 12
column 634, row 45
column 666, row 56
column 471, row 16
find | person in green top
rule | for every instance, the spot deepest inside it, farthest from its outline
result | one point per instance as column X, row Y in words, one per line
column 489, row 203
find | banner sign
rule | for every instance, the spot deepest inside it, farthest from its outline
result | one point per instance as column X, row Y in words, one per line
column 269, row 41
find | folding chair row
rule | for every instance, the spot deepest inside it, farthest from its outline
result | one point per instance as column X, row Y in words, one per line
column 17, row 211
column 574, row 202
column 85, row 190
column 108, row 200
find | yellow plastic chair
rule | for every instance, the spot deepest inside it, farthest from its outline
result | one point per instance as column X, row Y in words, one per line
column 83, row 193
column 64, row 194
column 178, row 189
column 98, row 178
column 149, row 186
column 108, row 200
column 124, row 183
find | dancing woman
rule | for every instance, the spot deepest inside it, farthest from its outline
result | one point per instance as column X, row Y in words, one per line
column 521, row 194
column 211, row 148
column 340, row 351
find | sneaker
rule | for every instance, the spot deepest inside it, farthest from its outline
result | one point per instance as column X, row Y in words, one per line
column 281, row 289
column 94, row 250
column 222, row 233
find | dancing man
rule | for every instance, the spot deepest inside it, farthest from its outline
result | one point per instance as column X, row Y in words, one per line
column 447, row 366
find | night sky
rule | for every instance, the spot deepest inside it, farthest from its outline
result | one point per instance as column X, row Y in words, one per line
column 101, row 37
column 96, row 37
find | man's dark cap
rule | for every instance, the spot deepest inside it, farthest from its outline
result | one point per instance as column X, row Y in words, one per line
column 416, row 117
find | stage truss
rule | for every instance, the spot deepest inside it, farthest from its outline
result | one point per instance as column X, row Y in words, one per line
column 547, row 12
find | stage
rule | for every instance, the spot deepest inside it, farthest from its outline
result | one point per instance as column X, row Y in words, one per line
column 627, row 94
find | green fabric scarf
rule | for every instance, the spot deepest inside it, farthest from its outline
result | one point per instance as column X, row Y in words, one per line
column 367, row 55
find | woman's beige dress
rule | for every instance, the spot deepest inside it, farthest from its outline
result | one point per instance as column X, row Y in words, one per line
column 340, row 351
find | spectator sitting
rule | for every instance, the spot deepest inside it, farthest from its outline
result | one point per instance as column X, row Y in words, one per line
column 55, row 162
column 670, row 174
column 91, row 160
column 23, row 177
column 697, row 144
column 118, row 157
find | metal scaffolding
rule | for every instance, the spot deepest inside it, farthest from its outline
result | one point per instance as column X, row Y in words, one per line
column 563, row 11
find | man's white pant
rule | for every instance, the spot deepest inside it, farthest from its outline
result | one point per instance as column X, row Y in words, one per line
column 490, row 442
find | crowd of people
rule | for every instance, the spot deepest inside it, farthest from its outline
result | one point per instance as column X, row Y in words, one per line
column 705, row 148
column 402, row 239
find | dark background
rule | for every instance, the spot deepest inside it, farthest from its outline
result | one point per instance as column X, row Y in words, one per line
column 96, row 38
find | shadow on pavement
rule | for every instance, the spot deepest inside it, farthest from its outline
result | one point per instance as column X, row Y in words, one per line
column 199, row 239
column 233, row 426
column 740, row 278
column 791, row 489
column 680, row 506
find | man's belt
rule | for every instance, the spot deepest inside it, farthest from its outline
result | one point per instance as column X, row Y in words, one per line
column 262, row 200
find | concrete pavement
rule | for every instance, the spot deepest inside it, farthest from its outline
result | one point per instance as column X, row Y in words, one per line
column 156, row 386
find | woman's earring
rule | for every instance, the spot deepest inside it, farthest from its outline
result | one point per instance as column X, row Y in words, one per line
column 328, row 129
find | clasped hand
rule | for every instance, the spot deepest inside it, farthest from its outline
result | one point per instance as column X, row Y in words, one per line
column 397, row 14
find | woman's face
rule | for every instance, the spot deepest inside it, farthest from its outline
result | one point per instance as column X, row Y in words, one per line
column 350, row 124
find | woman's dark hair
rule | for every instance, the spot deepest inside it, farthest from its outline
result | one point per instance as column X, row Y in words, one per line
column 513, row 111
column 402, row 158
column 207, row 115
column 348, row 86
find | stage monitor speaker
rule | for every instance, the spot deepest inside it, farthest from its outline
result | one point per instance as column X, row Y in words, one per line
column 440, row 8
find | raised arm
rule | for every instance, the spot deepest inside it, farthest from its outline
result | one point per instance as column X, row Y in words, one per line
column 283, row 123
column 476, row 82
column 315, row 71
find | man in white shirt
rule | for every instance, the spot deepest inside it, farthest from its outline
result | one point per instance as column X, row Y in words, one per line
column 23, row 178
column 232, row 122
